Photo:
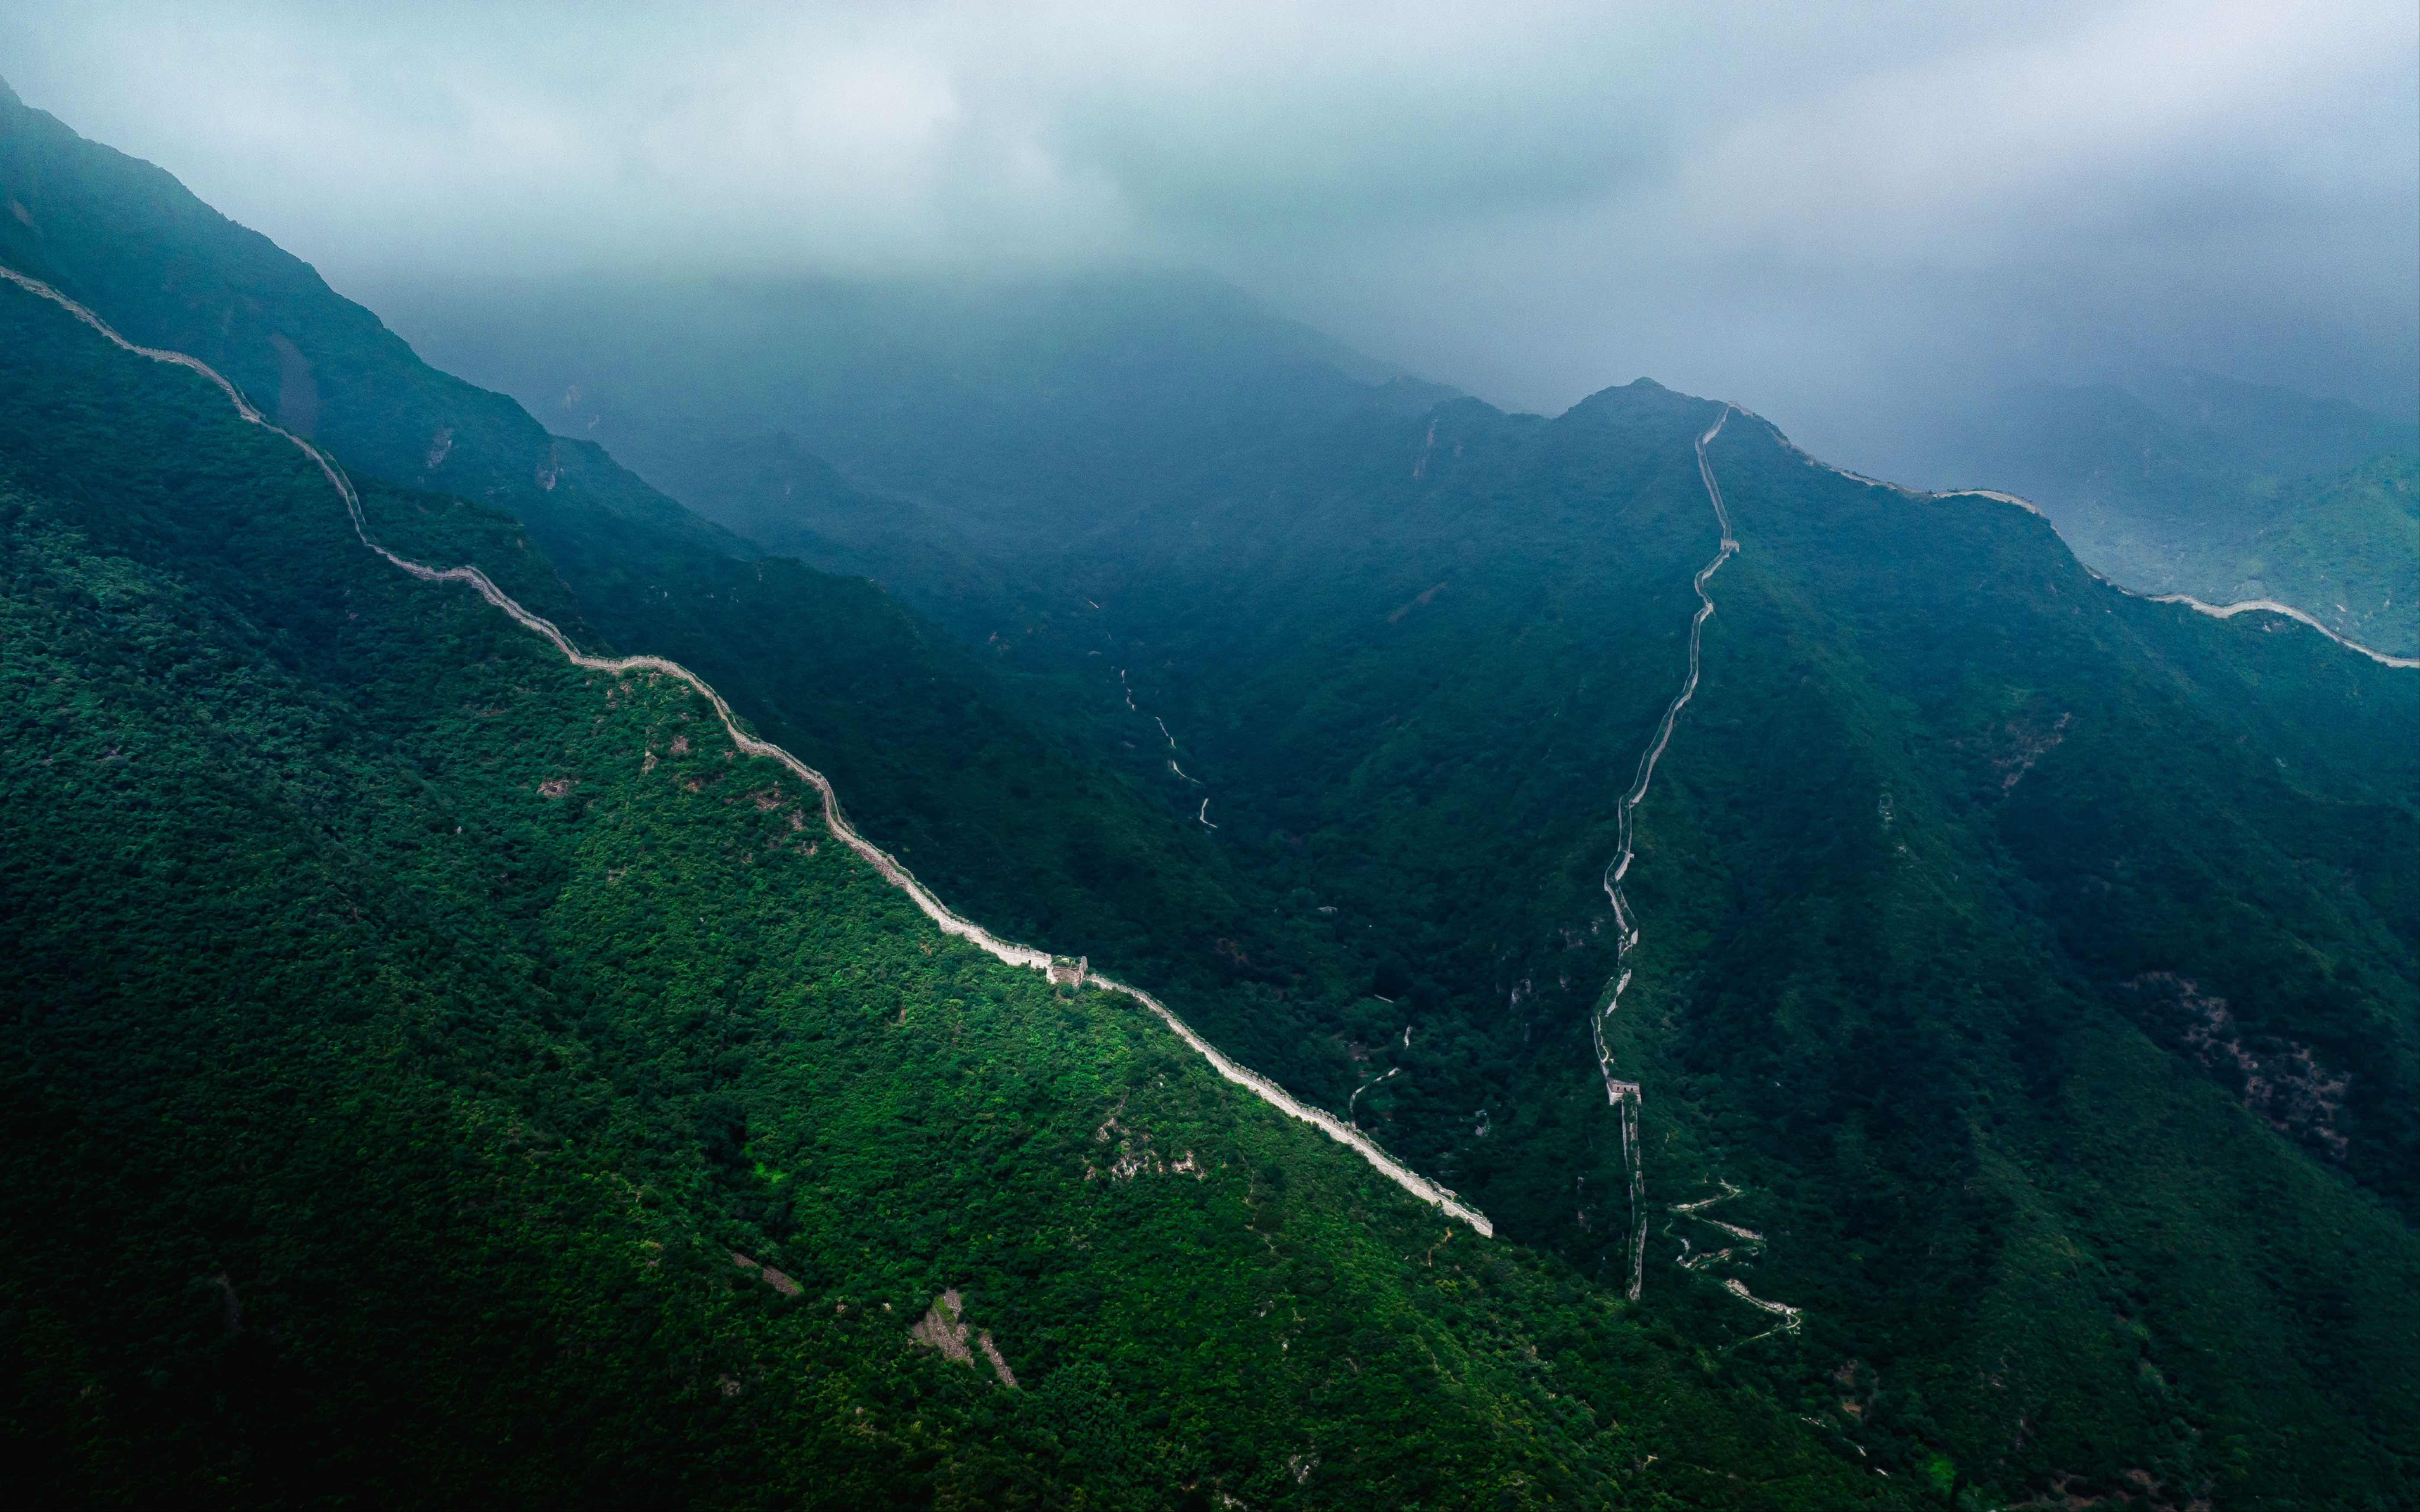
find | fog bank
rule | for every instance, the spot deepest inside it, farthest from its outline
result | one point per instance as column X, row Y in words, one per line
column 1846, row 218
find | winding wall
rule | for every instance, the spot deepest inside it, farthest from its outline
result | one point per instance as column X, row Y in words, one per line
column 1627, row 1096
column 834, row 819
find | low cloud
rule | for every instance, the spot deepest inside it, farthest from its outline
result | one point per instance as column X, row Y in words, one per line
column 1834, row 214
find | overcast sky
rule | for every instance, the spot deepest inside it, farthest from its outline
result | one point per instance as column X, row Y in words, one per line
column 1836, row 213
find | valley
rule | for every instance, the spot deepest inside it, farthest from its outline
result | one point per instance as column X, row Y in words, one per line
column 883, row 863
column 446, row 1065
column 549, row 1100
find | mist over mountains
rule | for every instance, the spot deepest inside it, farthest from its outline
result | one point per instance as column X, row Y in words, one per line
column 1053, row 889
column 1850, row 219
column 1011, row 419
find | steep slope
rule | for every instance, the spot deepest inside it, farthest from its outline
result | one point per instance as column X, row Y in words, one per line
column 2223, row 491
column 2093, row 942
column 990, row 809
column 1400, row 670
column 997, row 812
column 997, row 420
column 2034, row 963
column 2024, row 990
column 439, row 1071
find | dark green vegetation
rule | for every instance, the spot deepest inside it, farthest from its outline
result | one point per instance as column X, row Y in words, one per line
column 2034, row 962
column 985, row 806
column 408, row 1033
column 2028, row 955
column 2223, row 491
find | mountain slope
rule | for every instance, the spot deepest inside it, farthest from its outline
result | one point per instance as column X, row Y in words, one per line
column 439, row 1071
column 2226, row 491
column 2067, row 1095
column 2344, row 542
column 2035, row 961
column 2025, row 994
column 993, row 420
column 2043, row 999
column 990, row 809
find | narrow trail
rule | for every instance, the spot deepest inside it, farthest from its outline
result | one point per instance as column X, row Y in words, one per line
column 1623, row 1095
column 1745, row 1243
column 1627, row 1096
column 835, row 819
column 1354, row 1101
column 1126, row 688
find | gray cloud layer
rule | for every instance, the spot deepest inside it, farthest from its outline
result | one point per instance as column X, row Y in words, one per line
column 1837, row 215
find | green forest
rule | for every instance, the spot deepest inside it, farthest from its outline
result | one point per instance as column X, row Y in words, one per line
column 1933, row 960
column 2221, row 489
column 437, row 1072
column 416, row 1030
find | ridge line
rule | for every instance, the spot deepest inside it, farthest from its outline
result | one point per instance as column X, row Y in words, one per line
column 883, row 863
column 1628, row 1096
column 2200, row 606
column 2216, row 611
column 2226, row 610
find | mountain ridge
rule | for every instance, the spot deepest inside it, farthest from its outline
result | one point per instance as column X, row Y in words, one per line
column 948, row 921
column 527, row 1193
column 813, row 660
column 2221, row 490
column 2054, row 1086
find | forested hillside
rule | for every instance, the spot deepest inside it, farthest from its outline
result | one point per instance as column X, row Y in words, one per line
column 984, row 804
column 2024, row 1016
column 2220, row 490
column 2025, row 953
column 437, row 1072
column 1995, row 922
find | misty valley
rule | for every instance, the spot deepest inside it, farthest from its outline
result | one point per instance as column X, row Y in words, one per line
column 1054, row 889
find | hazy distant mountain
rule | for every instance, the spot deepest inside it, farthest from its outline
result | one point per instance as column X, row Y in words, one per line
column 1964, row 880
column 815, row 660
column 1407, row 657
column 421, row 1049
column 999, row 419
column 2271, row 429
column 2221, row 490
column 442, row 1074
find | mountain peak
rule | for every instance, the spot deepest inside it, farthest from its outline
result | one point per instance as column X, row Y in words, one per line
column 1640, row 396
